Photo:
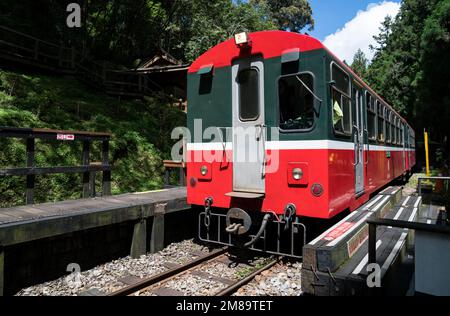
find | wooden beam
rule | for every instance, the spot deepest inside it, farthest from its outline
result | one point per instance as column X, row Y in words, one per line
column 30, row 177
column 139, row 242
column 86, row 175
column 106, row 177
column 157, row 236
column 52, row 170
column 2, row 271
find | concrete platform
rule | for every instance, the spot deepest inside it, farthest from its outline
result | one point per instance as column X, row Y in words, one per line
column 26, row 224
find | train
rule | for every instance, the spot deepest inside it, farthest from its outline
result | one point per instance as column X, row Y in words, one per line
column 284, row 131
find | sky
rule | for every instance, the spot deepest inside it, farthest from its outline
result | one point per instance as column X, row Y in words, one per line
column 348, row 25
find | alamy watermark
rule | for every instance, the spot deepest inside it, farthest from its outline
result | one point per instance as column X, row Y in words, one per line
column 374, row 277
column 225, row 144
column 74, row 17
column 73, row 280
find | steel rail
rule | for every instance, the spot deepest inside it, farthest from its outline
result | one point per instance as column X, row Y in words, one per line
column 236, row 286
column 167, row 274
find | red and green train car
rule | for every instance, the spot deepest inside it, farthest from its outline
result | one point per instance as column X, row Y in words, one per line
column 283, row 130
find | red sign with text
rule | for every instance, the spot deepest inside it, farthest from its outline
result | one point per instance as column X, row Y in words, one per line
column 341, row 229
column 68, row 137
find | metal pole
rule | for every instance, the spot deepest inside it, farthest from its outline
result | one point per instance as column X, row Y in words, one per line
column 427, row 157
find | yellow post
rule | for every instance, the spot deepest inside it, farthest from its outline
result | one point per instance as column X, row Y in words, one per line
column 427, row 157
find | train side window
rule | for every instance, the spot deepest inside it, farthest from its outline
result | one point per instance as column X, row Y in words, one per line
column 387, row 117
column 296, row 102
column 380, row 125
column 371, row 116
column 394, row 128
column 248, row 80
column 341, row 101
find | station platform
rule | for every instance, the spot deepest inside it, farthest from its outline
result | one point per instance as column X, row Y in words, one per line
column 26, row 224
column 336, row 262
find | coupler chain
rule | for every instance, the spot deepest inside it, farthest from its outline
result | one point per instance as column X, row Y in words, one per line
column 289, row 215
column 208, row 204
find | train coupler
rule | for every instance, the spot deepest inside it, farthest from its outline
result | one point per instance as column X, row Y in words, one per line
column 262, row 232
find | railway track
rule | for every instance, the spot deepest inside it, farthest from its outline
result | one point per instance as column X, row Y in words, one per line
column 155, row 285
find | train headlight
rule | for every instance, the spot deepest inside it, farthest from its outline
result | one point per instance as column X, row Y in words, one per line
column 204, row 170
column 241, row 39
column 297, row 174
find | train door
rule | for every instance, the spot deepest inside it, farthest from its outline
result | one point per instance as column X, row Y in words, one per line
column 402, row 132
column 358, row 137
column 248, row 128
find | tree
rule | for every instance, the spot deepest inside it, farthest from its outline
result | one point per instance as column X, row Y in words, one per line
column 382, row 38
column 433, row 79
column 359, row 64
column 288, row 15
column 410, row 68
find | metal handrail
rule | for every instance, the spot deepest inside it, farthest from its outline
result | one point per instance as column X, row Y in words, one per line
column 374, row 223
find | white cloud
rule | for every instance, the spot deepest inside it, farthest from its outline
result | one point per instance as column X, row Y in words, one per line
column 358, row 33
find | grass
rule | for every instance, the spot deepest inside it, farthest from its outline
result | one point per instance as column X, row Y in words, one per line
column 246, row 271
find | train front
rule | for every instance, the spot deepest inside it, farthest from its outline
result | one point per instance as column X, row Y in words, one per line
column 243, row 168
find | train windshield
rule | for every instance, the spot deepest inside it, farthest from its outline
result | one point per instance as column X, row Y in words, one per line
column 296, row 101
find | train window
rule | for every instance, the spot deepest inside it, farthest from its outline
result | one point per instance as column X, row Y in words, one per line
column 248, row 80
column 380, row 125
column 342, row 113
column 296, row 102
column 387, row 117
column 393, row 128
column 341, row 79
column 371, row 116
column 341, row 102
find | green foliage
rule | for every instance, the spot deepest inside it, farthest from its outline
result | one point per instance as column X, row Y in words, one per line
column 123, row 31
column 359, row 64
column 199, row 25
column 411, row 65
column 288, row 15
column 141, row 135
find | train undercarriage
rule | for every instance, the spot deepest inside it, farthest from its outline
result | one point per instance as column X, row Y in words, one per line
column 263, row 232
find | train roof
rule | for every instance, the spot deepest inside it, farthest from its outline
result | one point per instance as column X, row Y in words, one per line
column 271, row 44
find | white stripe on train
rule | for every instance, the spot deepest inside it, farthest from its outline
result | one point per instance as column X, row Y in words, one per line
column 296, row 145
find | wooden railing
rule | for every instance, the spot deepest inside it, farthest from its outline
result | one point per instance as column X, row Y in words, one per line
column 25, row 49
column 17, row 45
column 87, row 168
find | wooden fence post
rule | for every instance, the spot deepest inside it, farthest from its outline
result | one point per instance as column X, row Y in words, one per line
column 2, row 271
column 106, row 181
column 36, row 49
column 30, row 164
column 72, row 58
column 86, row 174
column 60, row 57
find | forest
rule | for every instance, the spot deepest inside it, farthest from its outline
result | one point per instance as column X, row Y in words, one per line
column 411, row 70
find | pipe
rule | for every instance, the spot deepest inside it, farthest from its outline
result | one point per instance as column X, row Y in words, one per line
column 266, row 219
